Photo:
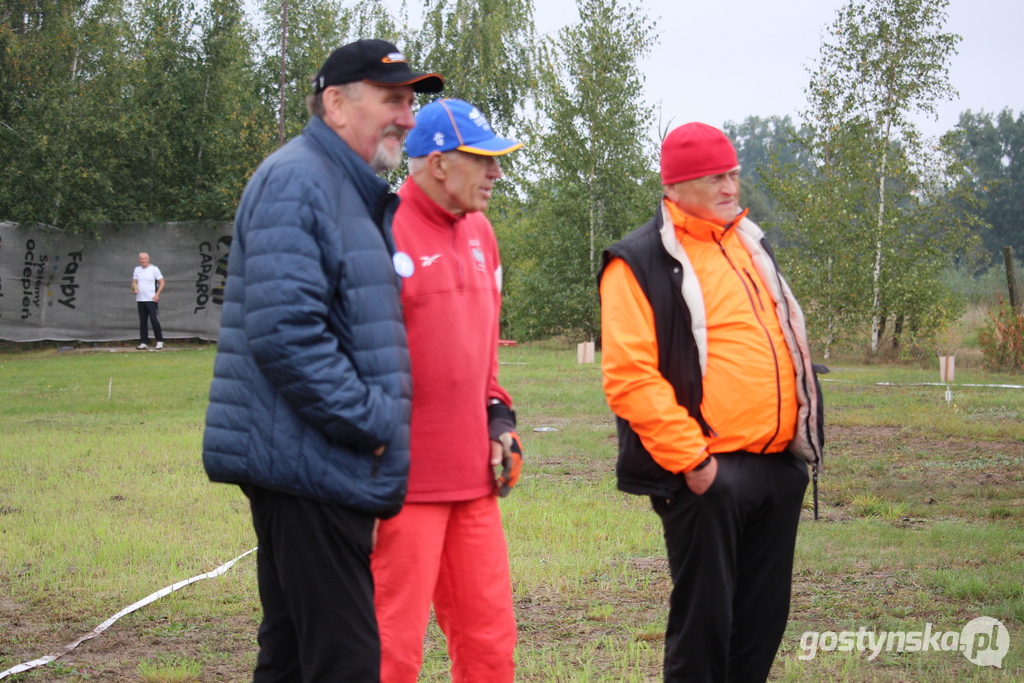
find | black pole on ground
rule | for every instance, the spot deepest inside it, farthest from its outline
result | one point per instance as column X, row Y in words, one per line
column 814, row 478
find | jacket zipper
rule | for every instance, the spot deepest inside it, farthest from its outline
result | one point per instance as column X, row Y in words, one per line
column 455, row 255
column 768, row 336
column 808, row 380
column 754, row 285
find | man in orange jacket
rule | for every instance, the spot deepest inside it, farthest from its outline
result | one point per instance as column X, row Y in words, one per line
column 707, row 369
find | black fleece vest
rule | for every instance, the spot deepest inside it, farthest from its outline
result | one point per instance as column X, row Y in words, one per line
column 661, row 279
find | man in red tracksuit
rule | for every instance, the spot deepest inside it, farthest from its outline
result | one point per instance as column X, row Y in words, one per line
column 446, row 547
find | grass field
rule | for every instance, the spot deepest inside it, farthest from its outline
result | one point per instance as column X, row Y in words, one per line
column 103, row 501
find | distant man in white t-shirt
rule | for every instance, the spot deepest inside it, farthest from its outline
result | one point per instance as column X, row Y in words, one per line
column 147, row 283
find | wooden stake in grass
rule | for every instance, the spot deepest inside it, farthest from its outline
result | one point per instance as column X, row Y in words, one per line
column 947, row 367
column 1011, row 279
column 585, row 353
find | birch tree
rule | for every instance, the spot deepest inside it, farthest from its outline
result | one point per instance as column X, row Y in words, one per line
column 307, row 31
column 485, row 50
column 883, row 61
column 114, row 111
column 63, row 86
column 874, row 213
column 820, row 202
column 759, row 142
column 232, row 129
column 594, row 164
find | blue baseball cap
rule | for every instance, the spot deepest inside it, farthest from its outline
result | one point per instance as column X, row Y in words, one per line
column 447, row 124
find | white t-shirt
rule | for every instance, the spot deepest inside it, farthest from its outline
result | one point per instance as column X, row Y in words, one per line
column 147, row 278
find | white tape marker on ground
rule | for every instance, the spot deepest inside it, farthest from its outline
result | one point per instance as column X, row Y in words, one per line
column 941, row 384
column 127, row 610
column 929, row 384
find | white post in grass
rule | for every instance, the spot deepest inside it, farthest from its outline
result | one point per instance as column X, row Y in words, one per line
column 585, row 353
column 947, row 366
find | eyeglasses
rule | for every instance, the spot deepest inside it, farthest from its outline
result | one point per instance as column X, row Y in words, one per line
column 720, row 178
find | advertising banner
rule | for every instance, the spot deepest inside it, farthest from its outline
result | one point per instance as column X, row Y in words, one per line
column 62, row 287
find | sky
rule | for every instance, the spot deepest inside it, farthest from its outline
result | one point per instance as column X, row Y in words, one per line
column 724, row 61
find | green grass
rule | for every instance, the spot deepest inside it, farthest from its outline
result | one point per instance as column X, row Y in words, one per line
column 169, row 670
column 103, row 501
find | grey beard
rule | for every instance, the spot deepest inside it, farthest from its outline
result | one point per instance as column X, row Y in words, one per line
column 382, row 159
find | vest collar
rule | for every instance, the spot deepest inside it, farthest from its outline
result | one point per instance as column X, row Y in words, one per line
column 698, row 228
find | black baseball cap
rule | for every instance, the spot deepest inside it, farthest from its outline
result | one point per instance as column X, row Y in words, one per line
column 373, row 61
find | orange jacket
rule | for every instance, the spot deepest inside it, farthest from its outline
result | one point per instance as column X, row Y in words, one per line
column 750, row 395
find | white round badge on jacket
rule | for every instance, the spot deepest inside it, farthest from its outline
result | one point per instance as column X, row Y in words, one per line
column 403, row 264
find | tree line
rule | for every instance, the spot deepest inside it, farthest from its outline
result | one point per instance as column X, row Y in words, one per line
column 116, row 111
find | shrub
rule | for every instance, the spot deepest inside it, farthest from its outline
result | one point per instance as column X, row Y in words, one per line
column 1002, row 341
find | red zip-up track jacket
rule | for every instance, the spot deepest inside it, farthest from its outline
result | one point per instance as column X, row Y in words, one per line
column 451, row 302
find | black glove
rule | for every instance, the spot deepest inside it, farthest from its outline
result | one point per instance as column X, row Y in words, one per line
column 501, row 426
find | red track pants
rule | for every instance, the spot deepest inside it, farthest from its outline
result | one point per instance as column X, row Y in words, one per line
column 454, row 555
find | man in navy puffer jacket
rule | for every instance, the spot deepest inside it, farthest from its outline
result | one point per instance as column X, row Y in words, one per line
column 310, row 401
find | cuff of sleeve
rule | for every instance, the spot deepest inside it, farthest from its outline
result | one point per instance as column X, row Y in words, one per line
column 500, row 419
column 703, row 463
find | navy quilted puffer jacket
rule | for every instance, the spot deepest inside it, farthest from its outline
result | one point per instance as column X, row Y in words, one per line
column 312, row 368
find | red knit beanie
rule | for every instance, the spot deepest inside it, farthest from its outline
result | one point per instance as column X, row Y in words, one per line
column 695, row 150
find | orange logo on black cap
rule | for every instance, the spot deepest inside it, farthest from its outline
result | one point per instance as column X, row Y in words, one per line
column 393, row 58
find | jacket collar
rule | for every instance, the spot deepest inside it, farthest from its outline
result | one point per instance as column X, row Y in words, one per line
column 426, row 207
column 368, row 184
column 699, row 228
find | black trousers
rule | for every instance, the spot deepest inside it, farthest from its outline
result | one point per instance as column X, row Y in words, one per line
column 313, row 570
column 730, row 551
column 148, row 310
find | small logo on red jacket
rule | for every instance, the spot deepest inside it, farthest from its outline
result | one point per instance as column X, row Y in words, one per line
column 478, row 256
column 429, row 260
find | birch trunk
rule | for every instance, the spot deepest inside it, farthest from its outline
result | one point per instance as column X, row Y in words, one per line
column 593, row 227
column 592, row 273
column 830, row 337
column 876, row 304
